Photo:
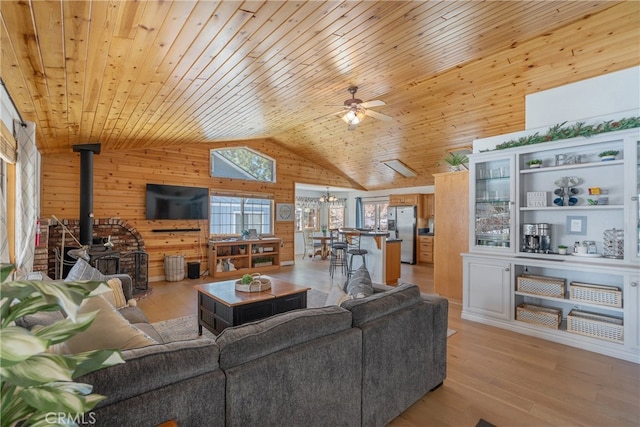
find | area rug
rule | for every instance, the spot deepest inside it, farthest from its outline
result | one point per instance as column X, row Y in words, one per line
column 450, row 332
column 185, row 328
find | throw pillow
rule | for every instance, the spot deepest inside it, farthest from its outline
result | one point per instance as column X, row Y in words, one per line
column 109, row 330
column 359, row 285
column 81, row 270
column 337, row 296
column 115, row 296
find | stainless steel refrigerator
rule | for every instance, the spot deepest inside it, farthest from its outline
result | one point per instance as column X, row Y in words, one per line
column 402, row 222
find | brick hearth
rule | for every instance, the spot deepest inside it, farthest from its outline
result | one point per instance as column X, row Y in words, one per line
column 124, row 237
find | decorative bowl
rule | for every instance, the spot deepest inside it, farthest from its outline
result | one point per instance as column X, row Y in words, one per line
column 258, row 284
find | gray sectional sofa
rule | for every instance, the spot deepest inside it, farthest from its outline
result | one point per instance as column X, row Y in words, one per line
column 360, row 364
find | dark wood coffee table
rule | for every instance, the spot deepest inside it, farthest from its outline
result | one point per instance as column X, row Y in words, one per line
column 221, row 306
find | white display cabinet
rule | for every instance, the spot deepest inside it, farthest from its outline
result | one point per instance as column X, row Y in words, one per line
column 492, row 196
column 506, row 193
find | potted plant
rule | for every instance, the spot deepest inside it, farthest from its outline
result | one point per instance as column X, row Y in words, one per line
column 245, row 234
column 456, row 161
column 562, row 249
column 534, row 163
column 608, row 155
column 36, row 383
column 242, row 249
column 262, row 261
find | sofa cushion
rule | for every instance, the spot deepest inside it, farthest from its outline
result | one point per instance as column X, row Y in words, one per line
column 81, row 270
column 154, row 367
column 109, row 330
column 242, row 344
column 359, row 285
column 380, row 304
column 42, row 318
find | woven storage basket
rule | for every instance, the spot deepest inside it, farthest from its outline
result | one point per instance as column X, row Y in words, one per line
column 543, row 316
column 595, row 325
column 173, row 268
column 596, row 294
column 542, row 285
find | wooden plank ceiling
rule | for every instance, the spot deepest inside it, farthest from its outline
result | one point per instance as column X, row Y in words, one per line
column 133, row 74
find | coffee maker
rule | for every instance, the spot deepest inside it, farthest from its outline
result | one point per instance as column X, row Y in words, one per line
column 536, row 238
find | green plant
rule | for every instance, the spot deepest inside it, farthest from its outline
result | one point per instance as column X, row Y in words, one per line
column 534, row 162
column 34, row 383
column 247, row 279
column 608, row 153
column 559, row 131
column 456, row 159
column 562, row 247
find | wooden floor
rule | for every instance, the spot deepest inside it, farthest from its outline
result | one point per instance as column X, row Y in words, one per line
column 505, row 378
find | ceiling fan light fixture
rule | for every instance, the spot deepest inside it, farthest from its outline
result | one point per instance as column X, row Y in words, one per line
column 353, row 117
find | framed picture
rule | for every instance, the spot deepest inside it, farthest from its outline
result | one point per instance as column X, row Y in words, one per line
column 284, row 212
column 576, row 225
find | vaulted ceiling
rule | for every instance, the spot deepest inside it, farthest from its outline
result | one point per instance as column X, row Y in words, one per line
column 136, row 74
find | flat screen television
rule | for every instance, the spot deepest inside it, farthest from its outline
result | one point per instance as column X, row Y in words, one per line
column 177, row 202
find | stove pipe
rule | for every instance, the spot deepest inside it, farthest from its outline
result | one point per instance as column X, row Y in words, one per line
column 86, row 190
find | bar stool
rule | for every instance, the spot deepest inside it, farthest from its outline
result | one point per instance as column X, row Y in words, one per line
column 337, row 252
column 353, row 239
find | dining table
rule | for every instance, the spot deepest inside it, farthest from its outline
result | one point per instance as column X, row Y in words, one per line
column 324, row 249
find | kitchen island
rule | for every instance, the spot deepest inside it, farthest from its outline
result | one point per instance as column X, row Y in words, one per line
column 383, row 257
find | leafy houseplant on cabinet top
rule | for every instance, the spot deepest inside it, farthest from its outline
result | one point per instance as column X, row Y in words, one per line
column 35, row 383
column 456, row 161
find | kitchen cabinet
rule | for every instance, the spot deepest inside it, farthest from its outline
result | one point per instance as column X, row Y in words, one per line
column 405, row 200
column 425, row 249
column 246, row 256
column 576, row 196
column 429, row 206
column 451, row 237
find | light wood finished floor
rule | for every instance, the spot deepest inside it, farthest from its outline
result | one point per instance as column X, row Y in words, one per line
column 505, row 378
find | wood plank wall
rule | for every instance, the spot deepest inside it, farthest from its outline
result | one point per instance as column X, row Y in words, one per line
column 120, row 179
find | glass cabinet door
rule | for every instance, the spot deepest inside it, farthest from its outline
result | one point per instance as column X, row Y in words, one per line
column 636, row 208
column 491, row 197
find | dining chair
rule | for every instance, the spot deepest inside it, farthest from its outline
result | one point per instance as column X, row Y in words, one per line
column 311, row 247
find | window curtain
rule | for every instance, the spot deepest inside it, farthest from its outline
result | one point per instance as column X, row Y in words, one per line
column 359, row 218
column 307, row 202
column 4, row 238
column 27, row 195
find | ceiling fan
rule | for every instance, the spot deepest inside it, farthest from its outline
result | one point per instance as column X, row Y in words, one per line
column 354, row 110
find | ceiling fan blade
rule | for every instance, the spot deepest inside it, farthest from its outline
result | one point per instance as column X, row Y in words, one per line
column 378, row 116
column 375, row 103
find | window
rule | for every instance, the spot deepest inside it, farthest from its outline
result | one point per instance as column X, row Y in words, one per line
column 232, row 214
column 375, row 215
column 242, row 163
column 307, row 218
column 336, row 216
